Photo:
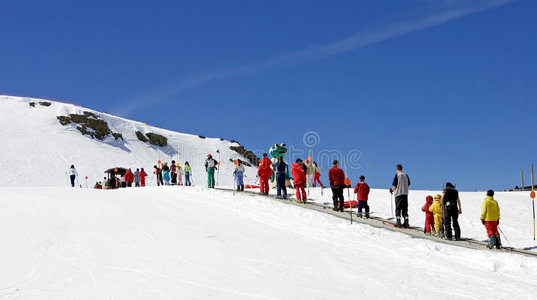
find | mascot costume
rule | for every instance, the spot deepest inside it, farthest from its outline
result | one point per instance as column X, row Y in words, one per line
column 279, row 150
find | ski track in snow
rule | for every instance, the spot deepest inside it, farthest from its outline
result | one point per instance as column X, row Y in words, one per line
column 195, row 243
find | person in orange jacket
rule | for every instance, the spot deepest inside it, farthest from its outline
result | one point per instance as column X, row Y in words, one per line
column 142, row 175
column 429, row 216
column 264, row 171
column 299, row 178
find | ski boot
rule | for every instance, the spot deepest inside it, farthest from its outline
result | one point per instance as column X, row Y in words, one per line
column 360, row 215
column 498, row 242
column 398, row 223
column 492, row 242
column 405, row 224
column 367, row 215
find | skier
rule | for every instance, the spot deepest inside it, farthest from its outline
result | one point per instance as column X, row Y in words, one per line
column 137, row 178
column 239, row 175
column 429, row 216
column 158, row 172
column 72, row 173
column 129, row 178
column 400, row 185
column 336, row 177
column 188, row 173
column 490, row 217
column 362, row 193
column 179, row 175
column 264, row 171
column 310, row 172
column 452, row 208
column 317, row 175
column 299, row 178
column 280, row 169
column 436, row 209
column 210, row 166
column 173, row 173
column 143, row 174
column 166, row 174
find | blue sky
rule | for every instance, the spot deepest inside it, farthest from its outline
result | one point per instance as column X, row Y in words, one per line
column 447, row 88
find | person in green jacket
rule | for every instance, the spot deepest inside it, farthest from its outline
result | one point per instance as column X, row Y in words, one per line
column 210, row 167
column 490, row 217
column 188, row 173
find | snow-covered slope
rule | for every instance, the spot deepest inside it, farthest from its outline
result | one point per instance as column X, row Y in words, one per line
column 196, row 243
column 37, row 149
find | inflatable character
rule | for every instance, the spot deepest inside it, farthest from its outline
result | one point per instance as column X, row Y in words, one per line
column 279, row 150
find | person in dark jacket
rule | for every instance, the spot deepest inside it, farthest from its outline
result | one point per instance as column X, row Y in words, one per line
column 336, row 177
column 281, row 170
column 400, row 185
column 452, row 209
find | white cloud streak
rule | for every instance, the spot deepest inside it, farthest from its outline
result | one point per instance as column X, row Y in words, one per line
column 355, row 41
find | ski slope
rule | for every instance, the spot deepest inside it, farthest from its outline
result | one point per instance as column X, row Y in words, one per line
column 37, row 150
column 194, row 243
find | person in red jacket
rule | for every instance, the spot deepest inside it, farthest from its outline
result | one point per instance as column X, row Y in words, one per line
column 129, row 178
column 362, row 193
column 264, row 171
column 299, row 178
column 337, row 184
column 142, row 175
column 429, row 215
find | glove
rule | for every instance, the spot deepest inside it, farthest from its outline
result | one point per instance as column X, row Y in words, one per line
column 391, row 191
column 483, row 221
column 498, row 221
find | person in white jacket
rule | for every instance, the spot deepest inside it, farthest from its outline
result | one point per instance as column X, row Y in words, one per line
column 72, row 173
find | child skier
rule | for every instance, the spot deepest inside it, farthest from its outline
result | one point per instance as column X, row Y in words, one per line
column 436, row 209
column 362, row 193
column 239, row 174
column 490, row 217
column 429, row 216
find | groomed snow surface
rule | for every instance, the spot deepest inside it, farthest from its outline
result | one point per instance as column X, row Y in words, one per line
column 195, row 243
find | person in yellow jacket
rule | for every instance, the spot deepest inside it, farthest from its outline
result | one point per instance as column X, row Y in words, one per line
column 490, row 217
column 436, row 209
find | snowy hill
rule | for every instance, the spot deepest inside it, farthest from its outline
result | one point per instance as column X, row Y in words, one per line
column 196, row 243
column 42, row 138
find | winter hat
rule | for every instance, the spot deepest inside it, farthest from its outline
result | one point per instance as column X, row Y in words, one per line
column 490, row 193
column 209, row 156
column 437, row 197
column 429, row 199
column 450, row 185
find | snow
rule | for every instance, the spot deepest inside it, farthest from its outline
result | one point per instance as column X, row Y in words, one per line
column 197, row 243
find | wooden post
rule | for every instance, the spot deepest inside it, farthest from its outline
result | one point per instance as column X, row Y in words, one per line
column 522, row 176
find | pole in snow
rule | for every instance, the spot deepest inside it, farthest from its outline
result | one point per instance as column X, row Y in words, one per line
column 522, row 176
column 532, row 195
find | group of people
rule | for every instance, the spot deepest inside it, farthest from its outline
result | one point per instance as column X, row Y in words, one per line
column 173, row 174
column 443, row 211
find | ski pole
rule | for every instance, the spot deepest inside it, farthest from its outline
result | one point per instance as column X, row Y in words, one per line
column 532, row 194
column 504, row 236
column 347, row 180
column 391, row 201
column 218, row 173
column 234, row 184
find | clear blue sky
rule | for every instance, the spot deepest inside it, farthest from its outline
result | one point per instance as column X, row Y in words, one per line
column 447, row 88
